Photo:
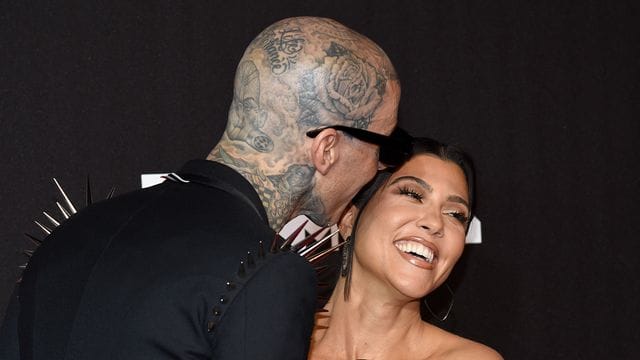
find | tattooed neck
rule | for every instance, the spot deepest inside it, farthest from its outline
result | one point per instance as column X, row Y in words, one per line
column 283, row 195
column 314, row 209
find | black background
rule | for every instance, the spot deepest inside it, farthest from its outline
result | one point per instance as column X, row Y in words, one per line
column 544, row 94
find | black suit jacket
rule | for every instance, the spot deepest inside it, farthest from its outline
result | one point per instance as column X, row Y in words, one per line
column 154, row 274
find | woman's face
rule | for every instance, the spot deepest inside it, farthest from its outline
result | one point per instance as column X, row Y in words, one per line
column 412, row 231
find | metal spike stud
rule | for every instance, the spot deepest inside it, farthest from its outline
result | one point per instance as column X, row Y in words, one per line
column 287, row 243
column 66, row 198
column 320, row 269
column 216, row 311
column 320, row 242
column 64, row 211
column 241, row 271
column 230, row 285
column 88, row 192
column 250, row 262
column 34, row 239
column 274, row 244
column 44, row 228
column 113, row 191
column 308, row 240
column 260, row 250
column 53, row 221
column 223, row 299
column 211, row 325
column 325, row 253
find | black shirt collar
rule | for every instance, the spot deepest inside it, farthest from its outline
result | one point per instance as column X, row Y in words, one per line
column 218, row 172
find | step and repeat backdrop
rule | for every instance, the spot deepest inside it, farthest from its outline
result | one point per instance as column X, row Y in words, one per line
column 544, row 95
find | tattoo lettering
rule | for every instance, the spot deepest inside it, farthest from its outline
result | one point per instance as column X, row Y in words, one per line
column 246, row 116
column 343, row 85
column 282, row 48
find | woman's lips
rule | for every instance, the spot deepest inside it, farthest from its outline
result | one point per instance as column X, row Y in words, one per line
column 417, row 252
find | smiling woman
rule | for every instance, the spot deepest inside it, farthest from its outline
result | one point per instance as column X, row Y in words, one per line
column 410, row 227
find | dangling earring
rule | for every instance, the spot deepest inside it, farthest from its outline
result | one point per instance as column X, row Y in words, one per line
column 345, row 269
column 346, row 257
column 446, row 315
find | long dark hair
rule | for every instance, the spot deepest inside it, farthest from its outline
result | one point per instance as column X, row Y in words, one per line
column 420, row 146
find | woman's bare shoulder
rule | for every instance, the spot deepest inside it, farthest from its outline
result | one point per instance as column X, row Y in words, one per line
column 469, row 349
column 451, row 346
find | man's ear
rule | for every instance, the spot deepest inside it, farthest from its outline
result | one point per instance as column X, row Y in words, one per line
column 347, row 219
column 324, row 152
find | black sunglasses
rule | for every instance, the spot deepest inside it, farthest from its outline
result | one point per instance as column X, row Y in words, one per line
column 395, row 149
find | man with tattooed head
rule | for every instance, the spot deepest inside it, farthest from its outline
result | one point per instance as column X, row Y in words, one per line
column 178, row 270
column 299, row 75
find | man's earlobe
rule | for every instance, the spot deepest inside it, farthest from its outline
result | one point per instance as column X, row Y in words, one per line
column 324, row 150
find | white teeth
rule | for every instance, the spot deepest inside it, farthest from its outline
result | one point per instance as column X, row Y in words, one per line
column 415, row 248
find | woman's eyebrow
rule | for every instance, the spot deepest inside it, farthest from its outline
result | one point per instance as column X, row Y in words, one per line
column 419, row 181
column 458, row 199
column 424, row 184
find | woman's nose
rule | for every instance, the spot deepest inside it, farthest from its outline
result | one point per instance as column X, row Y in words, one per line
column 431, row 221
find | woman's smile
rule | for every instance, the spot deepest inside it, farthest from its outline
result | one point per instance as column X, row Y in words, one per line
column 417, row 253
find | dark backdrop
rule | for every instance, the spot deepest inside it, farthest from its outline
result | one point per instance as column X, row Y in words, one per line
column 543, row 94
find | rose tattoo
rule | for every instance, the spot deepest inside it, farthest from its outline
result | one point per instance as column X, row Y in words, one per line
column 344, row 85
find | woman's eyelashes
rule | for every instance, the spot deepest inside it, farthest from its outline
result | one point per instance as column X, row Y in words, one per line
column 411, row 192
column 415, row 194
column 463, row 218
